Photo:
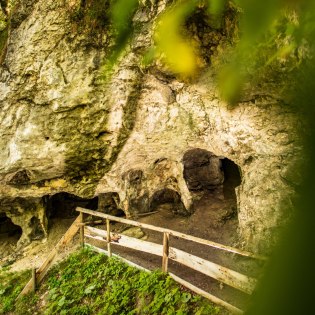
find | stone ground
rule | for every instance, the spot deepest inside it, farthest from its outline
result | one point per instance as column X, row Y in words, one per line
column 214, row 219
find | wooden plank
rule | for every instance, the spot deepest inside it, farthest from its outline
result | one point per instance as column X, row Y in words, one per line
column 171, row 232
column 207, row 295
column 146, row 213
column 188, row 285
column 97, row 222
column 165, row 251
column 81, row 227
column 98, row 232
column 126, row 241
column 109, row 250
column 213, row 270
column 103, row 251
column 34, row 280
column 42, row 271
column 70, row 233
column 97, row 238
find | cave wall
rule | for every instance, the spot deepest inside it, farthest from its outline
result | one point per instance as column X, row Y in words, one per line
column 66, row 129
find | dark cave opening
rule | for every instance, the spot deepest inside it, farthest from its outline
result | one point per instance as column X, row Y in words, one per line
column 232, row 178
column 63, row 205
column 8, row 228
column 202, row 170
column 168, row 198
column 109, row 204
column 212, row 180
column 37, row 229
column 206, row 172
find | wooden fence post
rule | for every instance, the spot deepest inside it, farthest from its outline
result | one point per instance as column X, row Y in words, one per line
column 108, row 238
column 81, row 220
column 34, row 284
column 166, row 237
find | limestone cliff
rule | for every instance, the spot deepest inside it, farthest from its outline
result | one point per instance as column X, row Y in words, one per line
column 65, row 129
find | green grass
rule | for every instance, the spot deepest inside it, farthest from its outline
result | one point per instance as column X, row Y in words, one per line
column 11, row 284
column 90, row 283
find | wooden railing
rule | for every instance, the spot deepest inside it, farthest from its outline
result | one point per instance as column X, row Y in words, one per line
column 225, row 275
column 38, row 275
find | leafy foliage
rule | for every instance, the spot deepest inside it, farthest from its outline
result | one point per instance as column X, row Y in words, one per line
column 89, row 283
column 11, row 284
column 168, row 36
column 274, row 39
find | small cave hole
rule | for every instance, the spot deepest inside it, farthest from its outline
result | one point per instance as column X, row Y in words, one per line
column 102, row 133
column 202, row 170
column 63, row 205
column 8, row 229
column 232, row 178
column 109, row 203
column 169, row 200
column 207, row 173
column 37, row 229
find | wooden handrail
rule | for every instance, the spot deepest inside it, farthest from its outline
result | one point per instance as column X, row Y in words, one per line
column 222, row 274
column 188, row 285
column 213, row 270
column 228, row 276
column 43, row 269
column 171, row 232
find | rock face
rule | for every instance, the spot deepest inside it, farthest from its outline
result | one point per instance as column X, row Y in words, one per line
column 64, row 129
column 202, row 170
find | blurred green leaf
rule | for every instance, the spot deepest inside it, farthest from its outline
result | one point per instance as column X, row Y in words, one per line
column 216, row 9
column 179, row 54
column 121, row 16
column 148, row 57
column 62, row 301
column 230, row 81
column 121, row 13
column 257, row 17
column 283, row 52
column 216, row 6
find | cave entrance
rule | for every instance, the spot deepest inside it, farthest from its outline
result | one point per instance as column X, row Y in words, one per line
column 202, row 171
column 169, row 200
column 212, row 181
column 205, row 172
column 232, row 178
column 109, row 204
column 63, row 205
column 8, row 229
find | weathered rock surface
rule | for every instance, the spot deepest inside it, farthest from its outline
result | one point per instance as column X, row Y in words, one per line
column 65, row 130
column 202, row 170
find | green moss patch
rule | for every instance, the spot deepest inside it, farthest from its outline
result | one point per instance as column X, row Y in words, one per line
column 3, row 39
